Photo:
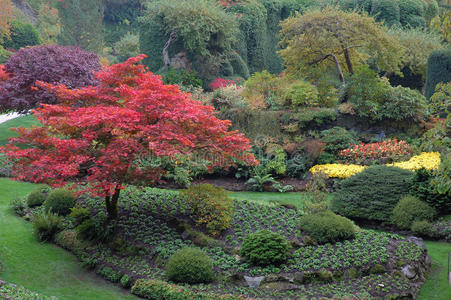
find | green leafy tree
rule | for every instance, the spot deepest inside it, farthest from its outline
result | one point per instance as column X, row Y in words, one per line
column 200, row 27
column 328, row 39
column 81, row 23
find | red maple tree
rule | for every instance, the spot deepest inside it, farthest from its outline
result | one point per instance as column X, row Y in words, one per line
column 99, row 136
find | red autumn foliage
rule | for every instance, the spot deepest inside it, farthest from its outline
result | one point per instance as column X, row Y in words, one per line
column 222, row 82
column 389, row 150
column 228, row 3
column 3, row 74
column 100, row 134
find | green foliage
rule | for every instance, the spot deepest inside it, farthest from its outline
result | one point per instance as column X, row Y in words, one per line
column 22, row 35
column 337, row 139
column 190, row 265
column 37, row 197
column 154, row 289
column 423, row 228
column 327, row 227
column 81, row 24
column 46, row 225
column 315, row 115
column 109, row 274
column 79, row 215
column 431, row 11
column 126, row 281
column 412, row 13
column 313, row 43
column 60, row 201
column 4, row 55
column 228, row 97
column 422, row 187
column 182, row 77
column 439, row 64
column 301, row 93
column 387, row 11
column 201, row 28
column 264, row 248
column 258, row 182
column 371, row 194
column 410, row 209
column 127, row 46
column 48, row 23
column 19, row 205
column 209, row 206
column 417, row 45
column 372, row 97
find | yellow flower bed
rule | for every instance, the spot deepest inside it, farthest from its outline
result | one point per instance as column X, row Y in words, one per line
column 338, row 170
column 428, row 160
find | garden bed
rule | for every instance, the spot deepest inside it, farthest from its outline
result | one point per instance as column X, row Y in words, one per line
column 153, row 225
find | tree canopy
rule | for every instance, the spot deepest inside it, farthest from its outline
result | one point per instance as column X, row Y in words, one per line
column 327, row 39
column 102, row 136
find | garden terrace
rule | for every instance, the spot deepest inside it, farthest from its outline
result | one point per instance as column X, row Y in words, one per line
column 153, row 224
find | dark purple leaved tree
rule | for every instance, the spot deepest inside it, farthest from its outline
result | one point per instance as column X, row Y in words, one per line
column 70, row 66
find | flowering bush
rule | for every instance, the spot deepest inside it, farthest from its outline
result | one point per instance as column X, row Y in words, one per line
column 427, row 160
column 222, row 82
column 391, row 150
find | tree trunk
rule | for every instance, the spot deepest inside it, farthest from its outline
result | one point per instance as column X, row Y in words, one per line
column 166, row 59
column 111, row 204
column 348, row 61
column 340, row 72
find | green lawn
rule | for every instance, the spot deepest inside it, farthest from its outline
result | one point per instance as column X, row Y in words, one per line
column 5, row 133
column 437, row 284
column 44, row 268
column 295, row 199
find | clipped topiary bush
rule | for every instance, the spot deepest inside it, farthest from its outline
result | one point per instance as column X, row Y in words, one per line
column 438, row 70
column 60, row 201
column 327, row 227
column 190, row 265
column 264, row 248
column 371, row 194
column 410, row 209
column 37, row 197
column 209, row 206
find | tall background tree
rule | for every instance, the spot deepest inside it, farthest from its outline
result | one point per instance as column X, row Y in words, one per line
column 103, row 136
column 338, row 41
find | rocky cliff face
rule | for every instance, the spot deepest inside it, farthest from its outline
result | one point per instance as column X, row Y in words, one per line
column 27, row 10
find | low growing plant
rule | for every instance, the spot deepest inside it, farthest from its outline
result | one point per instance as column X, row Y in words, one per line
column 46, row 225
column 190, row 265
column 60, row 201
column 410, row 209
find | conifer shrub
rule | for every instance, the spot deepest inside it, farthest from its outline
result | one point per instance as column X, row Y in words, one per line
column 371, row 194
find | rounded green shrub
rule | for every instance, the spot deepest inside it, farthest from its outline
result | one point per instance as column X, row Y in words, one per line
column 371, row 194
column 264, row 248
column 410, row 209
column 327, row 227
column 60, row 201
column 411, row 13
column 301, row 93
column 190, row 265
column 37, row 197
column 386, row 11
column 423, row 228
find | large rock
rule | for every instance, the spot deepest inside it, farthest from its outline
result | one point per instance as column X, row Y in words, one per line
column 409, row 271
column 254, row 282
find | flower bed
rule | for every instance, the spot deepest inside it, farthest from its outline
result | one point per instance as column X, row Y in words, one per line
column 386, row 151
column 427, row 160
